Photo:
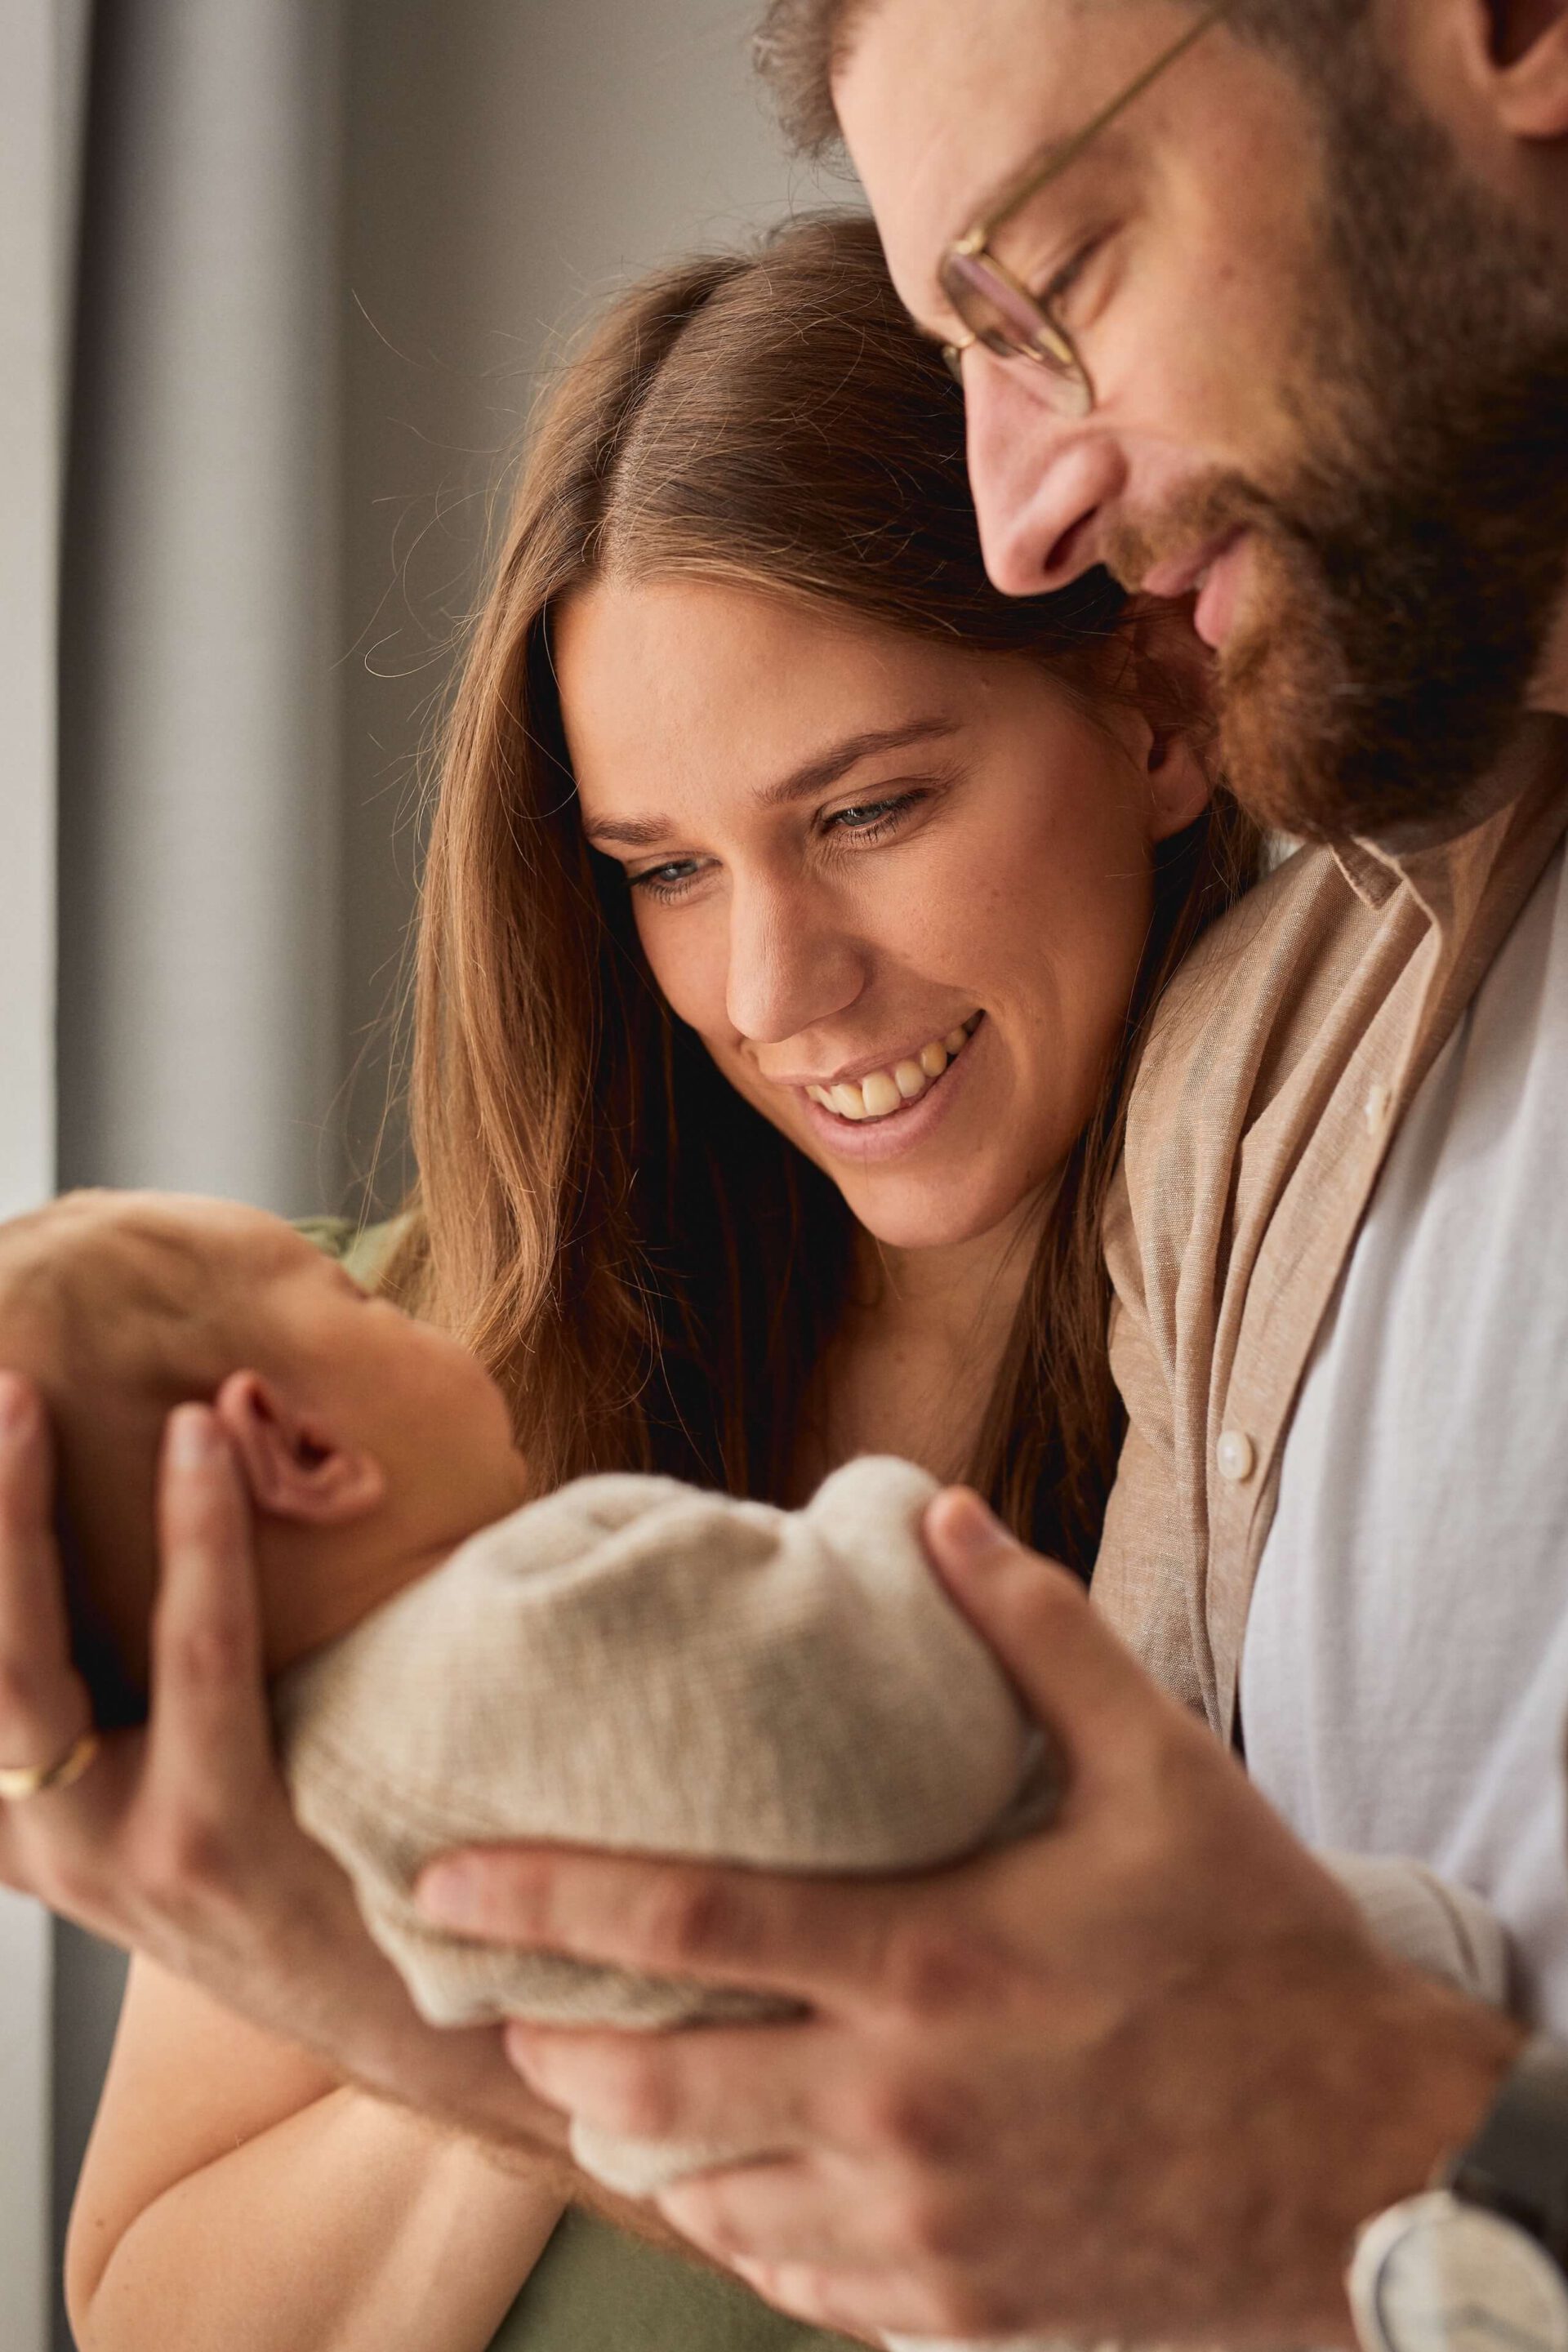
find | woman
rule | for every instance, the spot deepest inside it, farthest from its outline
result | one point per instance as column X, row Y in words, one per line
column 793, row 905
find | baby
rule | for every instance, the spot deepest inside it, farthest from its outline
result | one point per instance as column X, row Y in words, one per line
column 627, row 1663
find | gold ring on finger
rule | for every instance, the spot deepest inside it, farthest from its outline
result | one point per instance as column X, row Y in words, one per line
column 19, row 1780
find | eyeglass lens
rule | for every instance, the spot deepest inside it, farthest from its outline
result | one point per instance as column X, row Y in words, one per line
column 1009, row 321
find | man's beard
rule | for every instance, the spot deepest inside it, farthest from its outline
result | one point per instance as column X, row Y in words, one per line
column 1407, row 578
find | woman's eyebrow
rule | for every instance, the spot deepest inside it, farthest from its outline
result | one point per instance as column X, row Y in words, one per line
column 631, row 833
column 820, row 774
column 801, row 783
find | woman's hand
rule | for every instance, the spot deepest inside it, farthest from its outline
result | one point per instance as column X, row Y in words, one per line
column 178, row 1840
column 1138, row 2076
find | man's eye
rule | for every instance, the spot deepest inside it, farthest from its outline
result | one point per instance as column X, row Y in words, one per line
column 1057, row 288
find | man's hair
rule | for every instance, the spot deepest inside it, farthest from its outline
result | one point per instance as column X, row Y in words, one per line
column 801, row 45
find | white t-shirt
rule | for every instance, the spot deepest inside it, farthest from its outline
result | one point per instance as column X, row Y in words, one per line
column 1404, row 1679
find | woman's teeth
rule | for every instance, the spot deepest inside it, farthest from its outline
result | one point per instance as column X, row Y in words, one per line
column 883, row 1092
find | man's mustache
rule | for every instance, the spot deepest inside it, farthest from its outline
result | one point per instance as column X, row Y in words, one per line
column 1202, row 511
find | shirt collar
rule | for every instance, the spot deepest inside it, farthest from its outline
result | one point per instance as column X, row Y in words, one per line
column 1413, row 856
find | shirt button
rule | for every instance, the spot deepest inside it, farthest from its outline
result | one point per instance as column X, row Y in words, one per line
column 1235, row 1455
column 1376, row 1108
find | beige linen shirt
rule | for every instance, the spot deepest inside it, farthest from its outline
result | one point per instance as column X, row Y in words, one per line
column 1284, row 1057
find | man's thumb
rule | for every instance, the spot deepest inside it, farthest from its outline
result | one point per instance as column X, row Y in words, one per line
column 1075, row 1676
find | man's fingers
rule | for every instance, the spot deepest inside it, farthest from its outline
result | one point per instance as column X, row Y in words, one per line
column 43, row 1705
column 808, row 1939
column 793, row 2209
column 209, row 1724
column 1082, row 1685
column 869, row 2304
column 759, row 2086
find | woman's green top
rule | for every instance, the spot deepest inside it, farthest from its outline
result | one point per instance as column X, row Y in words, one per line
column 593, row 2289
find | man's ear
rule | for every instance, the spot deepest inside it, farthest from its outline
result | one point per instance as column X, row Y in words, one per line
column 1529, row 66
column 295, row 1470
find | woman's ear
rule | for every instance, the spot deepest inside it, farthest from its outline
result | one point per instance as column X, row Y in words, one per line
column 295, row 1470
column 1529, row 66
column 1180, row 786
column 1171, row 670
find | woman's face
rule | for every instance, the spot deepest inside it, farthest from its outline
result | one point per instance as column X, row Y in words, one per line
column 899, row 890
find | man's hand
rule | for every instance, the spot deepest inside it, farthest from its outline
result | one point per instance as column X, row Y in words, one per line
column 1141, row 2076
column 178, row 1842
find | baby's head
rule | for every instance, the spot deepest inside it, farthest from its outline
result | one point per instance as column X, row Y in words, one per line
column 372, row 1445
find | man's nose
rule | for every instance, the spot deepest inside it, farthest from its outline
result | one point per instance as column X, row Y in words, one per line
column 1044, row 484
column 791, row 964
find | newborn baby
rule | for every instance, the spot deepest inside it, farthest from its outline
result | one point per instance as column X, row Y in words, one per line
column 627, row 1663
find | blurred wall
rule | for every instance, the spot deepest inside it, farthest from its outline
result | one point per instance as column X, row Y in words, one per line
column 475, row 176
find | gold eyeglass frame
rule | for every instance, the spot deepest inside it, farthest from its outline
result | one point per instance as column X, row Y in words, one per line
column 1050, row 346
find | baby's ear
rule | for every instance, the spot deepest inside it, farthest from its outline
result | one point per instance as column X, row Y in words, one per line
column 295, row 1469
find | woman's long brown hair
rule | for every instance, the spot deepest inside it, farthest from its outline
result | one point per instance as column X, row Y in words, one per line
column 650, row 1270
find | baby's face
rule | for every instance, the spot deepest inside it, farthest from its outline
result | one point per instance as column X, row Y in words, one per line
column 365, row 1374
column 236, row 1290
column 372, row 1445
column 369, row 1374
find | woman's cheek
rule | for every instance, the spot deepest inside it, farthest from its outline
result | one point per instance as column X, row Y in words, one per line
column 685, row 971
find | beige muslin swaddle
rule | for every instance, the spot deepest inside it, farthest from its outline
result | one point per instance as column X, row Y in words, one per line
column 636, row 1665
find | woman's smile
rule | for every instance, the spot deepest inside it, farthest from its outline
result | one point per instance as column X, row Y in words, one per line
column 944, row 1070
column 883, row 1089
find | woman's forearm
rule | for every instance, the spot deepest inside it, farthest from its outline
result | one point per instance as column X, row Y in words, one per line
column 351, row 2227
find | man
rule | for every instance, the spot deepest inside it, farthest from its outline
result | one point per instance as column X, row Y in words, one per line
column 1146, row 2075
column 1269, row 306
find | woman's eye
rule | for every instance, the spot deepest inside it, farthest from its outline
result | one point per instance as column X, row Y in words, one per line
column 870, row 819
column 671, row 880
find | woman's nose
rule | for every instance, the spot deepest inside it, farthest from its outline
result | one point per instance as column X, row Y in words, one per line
column 1042, row 481
column 791, row 965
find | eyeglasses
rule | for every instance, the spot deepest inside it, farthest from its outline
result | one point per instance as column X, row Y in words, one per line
column 997, row 308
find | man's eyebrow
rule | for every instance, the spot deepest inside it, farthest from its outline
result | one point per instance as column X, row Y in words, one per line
column 818, row 775
column 1108, row 144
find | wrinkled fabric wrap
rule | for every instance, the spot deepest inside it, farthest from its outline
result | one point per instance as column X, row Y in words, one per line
column 635, row 1664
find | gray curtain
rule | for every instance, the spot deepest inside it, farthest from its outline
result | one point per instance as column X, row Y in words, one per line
column 199, row 811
